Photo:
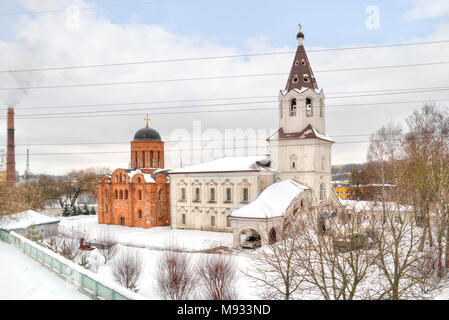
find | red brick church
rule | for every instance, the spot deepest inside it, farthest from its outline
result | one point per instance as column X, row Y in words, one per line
column 139, row 196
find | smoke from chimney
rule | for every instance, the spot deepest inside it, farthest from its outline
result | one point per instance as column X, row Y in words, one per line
column 11, row 156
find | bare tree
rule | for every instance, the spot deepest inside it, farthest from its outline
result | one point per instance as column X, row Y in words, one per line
column 69, row 248
column 399, row 257
column 176, row 275
column 107, row 245
column 127, row 268
column 218, row 276
column 336, row 261
column 274, row 268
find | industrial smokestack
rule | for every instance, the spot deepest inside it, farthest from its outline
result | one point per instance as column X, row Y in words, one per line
column 10, row 155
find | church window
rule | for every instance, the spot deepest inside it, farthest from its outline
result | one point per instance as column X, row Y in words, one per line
column 143, row 159
column 322, row 191
column 122, row 221
column 321, row 108
column 228, row 194
column 303, row 62
column 135, row 157
column 228, row 222
column 296, row 62
column 151, row 159
column 126, row 194
column 140, row 214
column 306, row 78
column 293, row 159
column 121, row 194
column 139, row 195
column 295, row 79
column 212, row 195
column 116, row 194
column 158, row 159
column 245, row 195
column 197, row 195
column 212, row 221
column 106, row 208
column 293, row 108
column 183, row 193
column 308, row 106
column 183, row 219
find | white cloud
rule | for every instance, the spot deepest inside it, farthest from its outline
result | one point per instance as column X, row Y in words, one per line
column 45, row 40
column 425, row 9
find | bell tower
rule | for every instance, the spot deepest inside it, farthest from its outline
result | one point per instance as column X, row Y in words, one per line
column 300, row 148
column 147, row 150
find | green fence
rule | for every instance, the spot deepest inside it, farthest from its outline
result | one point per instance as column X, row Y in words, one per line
column 84, row 279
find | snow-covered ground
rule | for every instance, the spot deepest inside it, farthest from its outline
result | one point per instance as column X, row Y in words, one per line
column 23, row 278
column 150, row 242
column 153, row 238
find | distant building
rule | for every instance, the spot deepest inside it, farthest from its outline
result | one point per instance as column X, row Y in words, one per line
column 30, row 224
column 139, row 196
column 362, row 192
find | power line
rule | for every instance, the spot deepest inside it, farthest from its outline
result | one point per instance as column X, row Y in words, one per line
column 189, row 140
column 210, row 78
column 214, row 57
column 211, row 99
column 143, row 3
column 93, row 114
column 189, row 149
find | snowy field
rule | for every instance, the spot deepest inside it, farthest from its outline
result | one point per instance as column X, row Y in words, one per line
column 153, row 238
column 150, row 242
column 23, row 278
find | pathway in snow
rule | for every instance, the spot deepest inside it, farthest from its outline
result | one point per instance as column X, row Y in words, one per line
column 23, row 278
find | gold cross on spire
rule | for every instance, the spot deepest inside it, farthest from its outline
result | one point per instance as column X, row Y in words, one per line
column 300, row 27
column 147, row 119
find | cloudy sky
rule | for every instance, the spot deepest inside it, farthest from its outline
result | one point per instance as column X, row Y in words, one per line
column 75, row 117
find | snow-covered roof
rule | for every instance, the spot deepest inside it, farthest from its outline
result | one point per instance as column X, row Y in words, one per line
column 227, row 164
column 307, row 133
column 148, row 177
column 362, row 205
column 273, row 201
column 23, row 220
column 303, row 89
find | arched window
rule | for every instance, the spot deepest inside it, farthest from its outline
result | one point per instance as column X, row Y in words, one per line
column 139, row 195
column 121, row 194
column 322, row 192
column 106, row 208
column 116, row 194
column 126, row 194
column 160, row 194
column 308, row 106
column 140, row 213
column 143, row 159
column 151, row 159
column 293, row 108
column 158, row 159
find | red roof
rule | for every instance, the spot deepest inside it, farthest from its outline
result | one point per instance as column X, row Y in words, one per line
column 300, row 70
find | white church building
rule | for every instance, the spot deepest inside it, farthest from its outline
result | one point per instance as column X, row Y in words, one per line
column 233, row 194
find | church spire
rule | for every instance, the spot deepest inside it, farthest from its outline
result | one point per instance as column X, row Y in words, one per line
column 301, row 74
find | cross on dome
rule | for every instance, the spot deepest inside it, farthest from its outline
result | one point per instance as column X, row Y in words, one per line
column 147, row 119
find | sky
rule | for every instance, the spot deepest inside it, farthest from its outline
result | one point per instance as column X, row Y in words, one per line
column 91, row 126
